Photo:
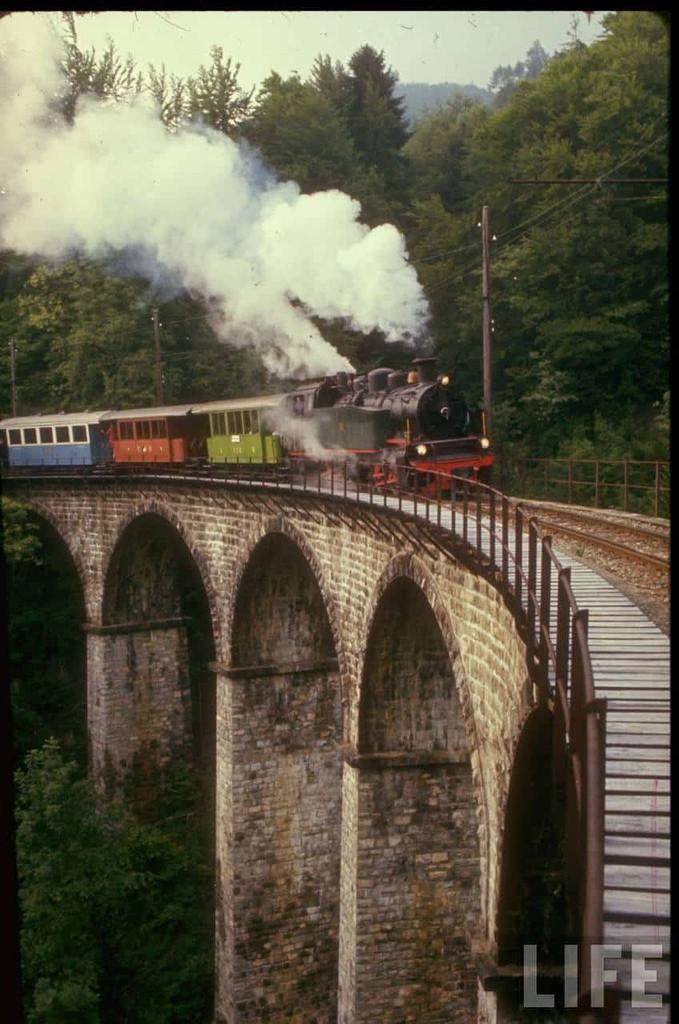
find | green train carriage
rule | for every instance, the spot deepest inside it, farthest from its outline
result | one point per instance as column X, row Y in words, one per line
column 238, row 431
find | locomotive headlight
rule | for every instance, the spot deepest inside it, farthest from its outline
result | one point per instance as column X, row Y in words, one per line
column 444, row 380
column 484, row 442
column 421, row 449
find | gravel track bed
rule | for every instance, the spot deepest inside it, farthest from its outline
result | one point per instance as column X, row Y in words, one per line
column 646, row 586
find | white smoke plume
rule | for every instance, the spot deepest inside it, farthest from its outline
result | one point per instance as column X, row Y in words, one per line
column 194, row 207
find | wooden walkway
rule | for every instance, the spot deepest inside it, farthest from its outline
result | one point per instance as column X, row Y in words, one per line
column 631, row 668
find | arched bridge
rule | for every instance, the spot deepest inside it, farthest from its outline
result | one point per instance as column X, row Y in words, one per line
column 396, row 698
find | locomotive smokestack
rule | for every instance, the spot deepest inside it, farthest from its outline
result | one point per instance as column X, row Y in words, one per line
column 426, row 368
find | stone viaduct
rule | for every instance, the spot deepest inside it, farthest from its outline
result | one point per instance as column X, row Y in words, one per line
column 361, row 698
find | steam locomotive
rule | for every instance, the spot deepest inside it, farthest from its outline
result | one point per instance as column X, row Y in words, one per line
column 390, row 422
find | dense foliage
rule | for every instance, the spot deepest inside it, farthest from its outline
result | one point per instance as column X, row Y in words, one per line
column 115, row 910
column 116, row 904
column 578, row 272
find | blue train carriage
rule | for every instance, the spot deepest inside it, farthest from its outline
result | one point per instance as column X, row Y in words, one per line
column 57, row 439
column 244, row 430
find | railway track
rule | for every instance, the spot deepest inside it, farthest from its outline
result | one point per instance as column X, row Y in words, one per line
column 634, row 539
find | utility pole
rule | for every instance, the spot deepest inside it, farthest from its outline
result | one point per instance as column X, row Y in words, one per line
column 485, row 294
column 13, row 376
column 159, row 362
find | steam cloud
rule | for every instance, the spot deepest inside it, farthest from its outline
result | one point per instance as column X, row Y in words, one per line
column 194, row 207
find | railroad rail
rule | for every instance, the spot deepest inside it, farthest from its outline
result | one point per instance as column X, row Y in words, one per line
column 487, row 530
column 599, row 530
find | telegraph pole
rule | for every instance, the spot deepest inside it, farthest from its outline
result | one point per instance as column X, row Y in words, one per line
column 159, row 362
column 485, row 294
column 13, row 376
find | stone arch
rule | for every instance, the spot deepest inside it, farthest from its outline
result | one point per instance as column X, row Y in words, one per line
column 165, row 511
column 532, row 899
column 68, row 538
column 532, row 904
column 279, row 859
column 47, row 655
column 156, row 599
column 411, row 817
column 280, row 525
column 410, row 566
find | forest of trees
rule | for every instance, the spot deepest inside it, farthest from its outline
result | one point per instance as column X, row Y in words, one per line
column 578, row 273
column 579, row 283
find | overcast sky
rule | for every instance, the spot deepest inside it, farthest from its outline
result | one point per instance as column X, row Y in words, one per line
column 421, row 46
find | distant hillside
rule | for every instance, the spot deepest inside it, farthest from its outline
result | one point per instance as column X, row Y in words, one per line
column 421, row 98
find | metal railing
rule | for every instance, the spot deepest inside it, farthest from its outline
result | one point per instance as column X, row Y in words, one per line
column 625, row 484
column 485, row 529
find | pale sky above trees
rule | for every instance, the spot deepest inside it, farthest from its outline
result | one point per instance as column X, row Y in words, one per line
column 421, row 46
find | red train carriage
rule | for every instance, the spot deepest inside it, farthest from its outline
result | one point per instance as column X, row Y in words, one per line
column 164, row 434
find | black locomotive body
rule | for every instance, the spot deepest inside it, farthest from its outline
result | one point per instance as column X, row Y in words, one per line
column 390, row 417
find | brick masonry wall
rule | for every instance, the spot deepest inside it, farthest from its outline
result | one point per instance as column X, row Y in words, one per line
column 352, row 566
column 417, row 896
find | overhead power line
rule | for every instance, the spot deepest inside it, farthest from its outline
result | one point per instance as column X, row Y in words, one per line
column 586, row 181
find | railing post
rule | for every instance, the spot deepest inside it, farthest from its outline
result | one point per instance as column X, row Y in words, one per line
column 518, row 554
column 561, row 718
column 438, row 499
column 452, row 504
column 545, row 615
column 478, row 519
column 531, row 596
column 465, row 510
column 596, row 484
column 491, row 519
column 505, row 538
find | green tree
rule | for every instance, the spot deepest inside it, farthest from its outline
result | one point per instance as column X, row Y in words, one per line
column 116, row 912
column 171, row 94
column 301, row 135
column 85, row 340
column 579, row 274
column 215, row 97
column 437, row 151
column 108, row 76
column 376, row 115
column 45, row 638
column 505, row 78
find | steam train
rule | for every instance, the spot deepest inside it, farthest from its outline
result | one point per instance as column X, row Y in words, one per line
column 390, row 422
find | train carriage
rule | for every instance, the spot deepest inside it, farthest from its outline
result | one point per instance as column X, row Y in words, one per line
column 240, row 430
column 167, row 434
column 56, row 439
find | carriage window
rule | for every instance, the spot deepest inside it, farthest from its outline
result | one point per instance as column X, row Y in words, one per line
column 158, row 428
column 62, row 435
column 246, row 422
column 218, row 423
column 79, row 434
column 233, row 419
column 46, row 435
column 126, row 430
column 143, row 428
column 254, row 418
column 15, row 437
column 30, row 435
